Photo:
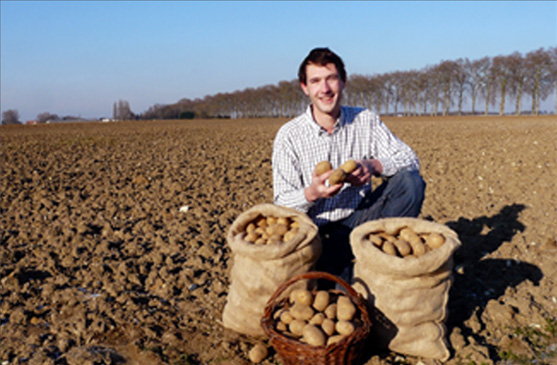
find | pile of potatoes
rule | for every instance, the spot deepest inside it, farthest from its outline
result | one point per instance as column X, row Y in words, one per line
column 319, row 319
column 339, row 175
column 268, row 230
column 405, row 242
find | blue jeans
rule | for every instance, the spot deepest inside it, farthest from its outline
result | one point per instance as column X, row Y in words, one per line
column 401, row 195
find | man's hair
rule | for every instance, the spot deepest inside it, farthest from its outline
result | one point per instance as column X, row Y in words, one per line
column 321, row 57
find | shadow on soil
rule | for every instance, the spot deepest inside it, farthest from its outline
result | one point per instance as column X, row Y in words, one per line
column 482, row 280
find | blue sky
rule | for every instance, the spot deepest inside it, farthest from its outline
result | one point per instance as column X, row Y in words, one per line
column 79, row 57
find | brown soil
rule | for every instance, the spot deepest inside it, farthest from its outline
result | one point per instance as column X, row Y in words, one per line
column 100, row 265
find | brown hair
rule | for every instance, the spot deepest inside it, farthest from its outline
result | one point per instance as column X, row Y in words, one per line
column 322, row 57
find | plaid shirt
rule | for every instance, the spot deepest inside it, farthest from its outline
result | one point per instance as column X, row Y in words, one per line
column 301, row 143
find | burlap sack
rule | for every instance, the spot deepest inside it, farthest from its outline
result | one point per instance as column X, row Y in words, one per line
column 407, row 297
column 258, row 270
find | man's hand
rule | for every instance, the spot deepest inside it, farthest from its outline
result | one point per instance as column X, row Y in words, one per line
column 318, row 190
column 363, row 173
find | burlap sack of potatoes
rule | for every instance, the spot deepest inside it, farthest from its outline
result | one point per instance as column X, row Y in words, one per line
column 407, row 296
column 258, row 270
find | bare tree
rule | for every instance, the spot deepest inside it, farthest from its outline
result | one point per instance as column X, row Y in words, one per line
column 517, row 77
column 10, row 116
column 538, row 66
column 122, row 111
column 446, row 72
column 501, row 67
column 47, row 117
column 377, row 95
column 488, row 91
column 434, row 89
column 423, row 88
column 477, row 80
column 553, row 72
column 461, row 81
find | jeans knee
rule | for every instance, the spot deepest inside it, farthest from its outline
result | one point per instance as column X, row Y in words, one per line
column 411, row 182
column 411, row 188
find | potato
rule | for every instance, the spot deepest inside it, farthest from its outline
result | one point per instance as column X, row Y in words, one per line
column 345, row 327
column 260, row 241
column 434, row 240
column 281, row 326
column 283, row 220
column 301, row 311
column 322, row 167
column 286, row 317
column 277, row 228
column 250, row 227
column 349, row 166
column 331, row 311
column 337, row 177
column 418, row 247
column 321, row 300
column 376, row 240
column 279, row 312
column 334, row 339
column 317, row 319
column 403, row 247
column 328, row 326
column 303, row 296
column 288, row 236
column 387, row 237
column 345, row 308
column 393, row 231
column 261, row 221
column 258, row 353
column 313, row 335
column 251, row 237
column 296, row 327
column 407, row 234
column 389, row 248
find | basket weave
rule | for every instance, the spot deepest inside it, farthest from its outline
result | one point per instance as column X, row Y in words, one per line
column 293, row 352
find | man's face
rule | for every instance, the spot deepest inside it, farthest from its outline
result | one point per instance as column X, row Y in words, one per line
column 324, row 88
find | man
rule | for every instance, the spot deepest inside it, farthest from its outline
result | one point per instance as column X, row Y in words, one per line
column 330, row 132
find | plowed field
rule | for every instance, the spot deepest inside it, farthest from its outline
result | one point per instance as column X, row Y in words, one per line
column 113, row 245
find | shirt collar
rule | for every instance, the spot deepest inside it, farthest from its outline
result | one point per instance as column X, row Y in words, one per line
column 316, row 128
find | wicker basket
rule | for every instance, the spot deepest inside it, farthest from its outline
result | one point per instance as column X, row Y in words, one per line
column 293, row 352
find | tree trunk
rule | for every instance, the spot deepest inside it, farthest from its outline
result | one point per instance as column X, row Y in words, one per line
column 502, row 105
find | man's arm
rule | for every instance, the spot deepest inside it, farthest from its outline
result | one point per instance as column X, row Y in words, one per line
column 392, row 154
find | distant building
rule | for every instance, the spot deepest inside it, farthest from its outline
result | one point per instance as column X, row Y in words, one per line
column 31, row 122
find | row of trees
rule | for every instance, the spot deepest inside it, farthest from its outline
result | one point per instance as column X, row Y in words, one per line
column 450, row 87
column 121, row 111
column 11, row 116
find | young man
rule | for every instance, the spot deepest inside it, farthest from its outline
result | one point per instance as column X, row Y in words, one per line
column 330, row 132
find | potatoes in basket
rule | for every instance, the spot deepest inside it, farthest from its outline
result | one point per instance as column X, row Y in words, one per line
column 317, row 318
column 270, row 230
column 405, row 242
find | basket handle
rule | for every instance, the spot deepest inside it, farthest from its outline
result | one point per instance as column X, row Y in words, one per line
column 312, row 275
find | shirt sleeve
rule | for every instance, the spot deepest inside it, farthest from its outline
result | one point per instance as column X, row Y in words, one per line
column 288, row 186
column 393, row 154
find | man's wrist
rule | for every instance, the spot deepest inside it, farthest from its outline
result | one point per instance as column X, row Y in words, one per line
column 310, row 194
column 376, row 167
